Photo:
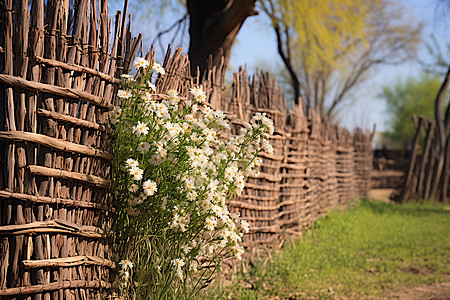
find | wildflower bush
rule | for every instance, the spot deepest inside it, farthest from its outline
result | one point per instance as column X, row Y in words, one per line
column 174, row 171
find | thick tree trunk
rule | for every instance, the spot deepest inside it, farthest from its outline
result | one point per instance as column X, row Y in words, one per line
column 214, row 25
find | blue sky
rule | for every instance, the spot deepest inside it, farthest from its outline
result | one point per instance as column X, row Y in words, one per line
column 256, row 43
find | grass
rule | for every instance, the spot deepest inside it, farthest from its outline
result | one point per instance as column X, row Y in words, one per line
column 361, row 253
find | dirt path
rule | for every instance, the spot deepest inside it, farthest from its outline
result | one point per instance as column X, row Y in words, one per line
column 435, row 291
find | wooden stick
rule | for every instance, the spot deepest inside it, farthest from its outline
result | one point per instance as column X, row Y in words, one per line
column 69, row 262
column 50, row 200
column 261, row 207
column 52, row 226
column 70, row 119
column 54, row 143
column 23, row 290
column 412, row 161
column 90, row 179
column 54, row 90
column 77, row 68
column 261, row 187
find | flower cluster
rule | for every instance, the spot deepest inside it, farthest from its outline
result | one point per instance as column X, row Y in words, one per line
column 175, row 172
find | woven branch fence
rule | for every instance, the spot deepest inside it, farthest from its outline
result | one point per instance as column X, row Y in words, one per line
column 428, row 175
column 423, row 180
column 58, row 78
column 59, row 73
column 315, row 165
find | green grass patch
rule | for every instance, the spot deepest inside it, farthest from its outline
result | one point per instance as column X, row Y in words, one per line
column 362, row 252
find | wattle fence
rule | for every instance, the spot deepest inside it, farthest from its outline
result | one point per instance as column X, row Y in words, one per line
column 315, row 166
column 59, row 75
column 58, row 79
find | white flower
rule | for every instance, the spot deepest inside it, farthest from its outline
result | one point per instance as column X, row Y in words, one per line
column 132, row 163
column 194, row 266
column 267, row 147
column 152, row 86
column 245, row 226
column 124, row 94
column 115, row 114
column 157, row 68
column 230, row 172
column 126, row 77
column 238, row 251
column 173, row 96
column 178, row 264
column 133, row 188
column 210, row 223
column 141, row 62
column 160, row 144
column 126, row 264
column 218, row 211
column 190, row 118
column 136, row 173
column 149, row 187
column 158, row 158
column 192, row 195
column 161, row 110
column 117, row 111
column 180, row 222
column 197, row 94
column 173, row 129
column 143, row 147
column 224, row 233
column 147, row 97
column 190, row 183
column 140, row 128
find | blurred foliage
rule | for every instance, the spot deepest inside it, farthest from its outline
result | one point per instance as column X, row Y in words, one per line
column 330, row 47
column 404, row 98
column 440, row 58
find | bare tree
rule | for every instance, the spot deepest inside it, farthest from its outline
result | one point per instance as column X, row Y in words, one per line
column 326, row 63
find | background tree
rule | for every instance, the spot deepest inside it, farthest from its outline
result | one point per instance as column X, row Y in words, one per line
column 329, row 47
column 405, row 98
column 213, row 25
column 440, row 58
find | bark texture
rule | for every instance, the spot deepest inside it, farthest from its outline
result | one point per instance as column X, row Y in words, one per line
column 214, row 25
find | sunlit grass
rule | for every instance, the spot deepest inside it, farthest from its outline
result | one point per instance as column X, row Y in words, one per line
column 371, row 248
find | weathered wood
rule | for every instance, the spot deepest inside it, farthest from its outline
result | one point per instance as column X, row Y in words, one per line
column 54, row 143
column 425, row 158
column 89, row 179
column 69, row 262
column 76, row 68
column 10, row 148
column 54, row 286
column 433, row 169
column 53, row 226
column 446, row 174
column 409, row 177
column 441, row 134
column 53, row 90
column 50, row 200
column 69, row 119
column 55, row 97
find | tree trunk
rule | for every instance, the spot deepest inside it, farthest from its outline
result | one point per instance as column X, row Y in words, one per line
column 214, row 25
column 440, row 133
